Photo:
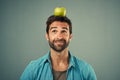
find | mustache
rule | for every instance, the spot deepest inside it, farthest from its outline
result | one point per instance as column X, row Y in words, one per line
column 59, row 40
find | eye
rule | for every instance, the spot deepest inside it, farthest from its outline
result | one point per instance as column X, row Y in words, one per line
column 64, row 31
column 54, row 31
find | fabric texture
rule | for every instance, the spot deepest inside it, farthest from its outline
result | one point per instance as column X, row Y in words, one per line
column 41, row 69
column 59, row 75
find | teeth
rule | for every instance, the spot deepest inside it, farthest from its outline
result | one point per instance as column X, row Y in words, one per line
column 59, row 42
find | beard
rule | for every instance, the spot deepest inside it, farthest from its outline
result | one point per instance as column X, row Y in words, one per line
column 58, row 45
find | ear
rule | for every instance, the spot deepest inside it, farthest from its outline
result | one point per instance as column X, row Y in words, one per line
column 46, row 35
column 71, row 36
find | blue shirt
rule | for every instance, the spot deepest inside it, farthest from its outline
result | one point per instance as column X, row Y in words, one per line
column 41, row 69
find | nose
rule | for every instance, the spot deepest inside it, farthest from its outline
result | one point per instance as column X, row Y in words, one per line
column 59, row 36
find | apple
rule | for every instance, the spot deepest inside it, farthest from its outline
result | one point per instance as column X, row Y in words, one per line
column 60, row 11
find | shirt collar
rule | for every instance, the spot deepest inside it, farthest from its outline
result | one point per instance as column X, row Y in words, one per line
column 47, row 57
column 71, row 59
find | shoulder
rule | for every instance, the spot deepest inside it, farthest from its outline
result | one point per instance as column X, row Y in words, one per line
column 39, row 61
column 33, row 67
column 85, row 68
column 80, row 62
column 77, row 61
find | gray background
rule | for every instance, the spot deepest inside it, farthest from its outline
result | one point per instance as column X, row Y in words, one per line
column 96, row 35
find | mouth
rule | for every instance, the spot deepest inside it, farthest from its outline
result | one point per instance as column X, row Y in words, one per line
column 58, row 45
column 59, row 42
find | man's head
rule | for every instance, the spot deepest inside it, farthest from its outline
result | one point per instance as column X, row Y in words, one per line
column 58, row 32
column 53, row 18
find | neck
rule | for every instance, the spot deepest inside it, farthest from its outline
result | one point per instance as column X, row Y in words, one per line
column 60, row 60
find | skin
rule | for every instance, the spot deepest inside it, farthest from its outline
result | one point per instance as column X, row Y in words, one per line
column 59, row 36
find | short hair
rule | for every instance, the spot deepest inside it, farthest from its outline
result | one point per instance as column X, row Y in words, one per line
column 53, row 18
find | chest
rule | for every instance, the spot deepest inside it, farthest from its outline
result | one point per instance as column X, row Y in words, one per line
column 46, row 73
column 59, row 75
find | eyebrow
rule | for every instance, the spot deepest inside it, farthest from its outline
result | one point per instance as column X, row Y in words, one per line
column 56, row 27
column 52, row 28
column 65, row 28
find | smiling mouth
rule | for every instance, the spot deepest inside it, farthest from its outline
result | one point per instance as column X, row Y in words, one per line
column 59, row 42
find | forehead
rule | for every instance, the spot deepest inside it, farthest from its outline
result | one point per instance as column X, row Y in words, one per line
column 59, row 24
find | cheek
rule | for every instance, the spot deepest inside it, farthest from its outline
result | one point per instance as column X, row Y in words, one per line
column 69, row 38
column 50, row 38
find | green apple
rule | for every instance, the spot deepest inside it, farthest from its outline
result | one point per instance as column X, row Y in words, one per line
column 60, row 11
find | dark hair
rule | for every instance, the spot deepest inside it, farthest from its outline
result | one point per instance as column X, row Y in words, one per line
column 53, row 18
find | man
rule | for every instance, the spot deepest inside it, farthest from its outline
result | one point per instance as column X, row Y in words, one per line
column 58, row 63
